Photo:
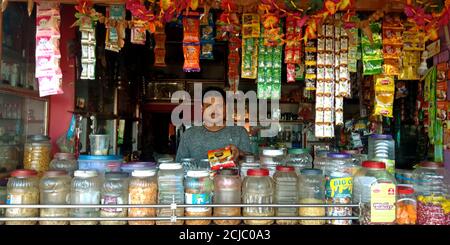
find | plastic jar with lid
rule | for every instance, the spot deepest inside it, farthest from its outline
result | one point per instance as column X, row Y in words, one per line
column 382, row 148
column 114, row 192
column 431, row 187
column 245, row 166
column 375, row 189
column 406, row 206
column 131, row 166
column 199, row 189
column 54, row 189
column 22, row 188
column 311, row 190
column 286, row 192
column 188, row 164
column 170, row 190
column 64, row 161
column 320, row 158
column 143, row 189
column 37, row 153
column 271, row 158
column 3, row 183
column 227, row 190
column 299, row 158
column 258, row 188
column 85, row 189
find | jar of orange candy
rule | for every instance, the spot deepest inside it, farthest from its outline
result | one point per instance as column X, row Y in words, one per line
column 406, row 206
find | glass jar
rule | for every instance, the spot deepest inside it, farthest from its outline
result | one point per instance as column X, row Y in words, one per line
column 406, row 213
column 374, row 188
column 311, row 191
column 9, row 157
column 299, row 159
column 227, row 190
column 431, row 189
column 114, row 192
column 64, row 161
column 37, row 153
column 320, row 158
column 245, row 166
column 3, row 183
column 170, row 189
column 382, row 148
column 270, row 158
column 188, row 164
column 85, row 189
column 258, row 188
column 198, row 190
column 22, row 188
column 54, row 189
column 404, row 176
column 143, row 189
column 286, row 192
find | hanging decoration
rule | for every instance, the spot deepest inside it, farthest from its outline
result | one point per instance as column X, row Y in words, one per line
column 191, row 42
column 115, row 33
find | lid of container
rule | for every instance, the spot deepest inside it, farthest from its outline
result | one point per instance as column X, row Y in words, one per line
column 258, row 172
column 116, row 175
column 143, row 173
column 381, row 136
column 99, row 158
column 285, row 168
column 85, row 173
column 339, row 155
column 311, row 171
column 431, row 165
column 65, row 156
column 298, row 151
column 139, row 165
column 23, row 173
column 250, row 164
column 37, row 138
column 197, row 173
column 374, row 164
column 272, row 152
column 249, row 158
column 55, row 173
column 187, row 159
column 405, row 190
column 165, row 160
column 170, row 166
column 228, row 171
column 351, row 152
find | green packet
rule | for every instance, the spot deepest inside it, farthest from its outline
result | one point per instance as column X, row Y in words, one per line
column 372, row 67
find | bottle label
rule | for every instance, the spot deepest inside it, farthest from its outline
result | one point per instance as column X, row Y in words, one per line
column 341, row 187
column 13, row 199
column 203, row 198
column 112, row 200
column 382, row 203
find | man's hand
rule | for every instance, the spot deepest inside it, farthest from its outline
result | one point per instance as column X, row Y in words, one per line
column 234, row 152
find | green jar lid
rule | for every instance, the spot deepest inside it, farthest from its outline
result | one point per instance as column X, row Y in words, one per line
column 298, row 150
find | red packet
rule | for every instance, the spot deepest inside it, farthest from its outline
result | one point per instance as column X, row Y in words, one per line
column 221, row 158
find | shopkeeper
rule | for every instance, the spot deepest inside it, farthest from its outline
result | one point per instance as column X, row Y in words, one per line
column 198, row 140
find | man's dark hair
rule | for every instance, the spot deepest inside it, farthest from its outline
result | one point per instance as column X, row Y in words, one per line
column 215, row 89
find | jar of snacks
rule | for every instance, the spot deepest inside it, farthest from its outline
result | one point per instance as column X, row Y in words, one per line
column 286, row 192
column 375, row 189
column 55, row 190
column 431, row 190
column 22, row 188
column 311, row 191
column 143, row 189
column 227, row 190
column 170, row 189
column 64, row 161
column 406, row 206
column 198, row 190
column 37, row 153
column 258, row 188
column 299, row 158
column 114, row 192
column 85, row 189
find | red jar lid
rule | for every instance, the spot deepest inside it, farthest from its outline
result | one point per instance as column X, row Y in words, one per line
column 23, row 173
column 405, row 190
column 374, row 164
column 431, row 165
column 285, row 168
column 258, row 172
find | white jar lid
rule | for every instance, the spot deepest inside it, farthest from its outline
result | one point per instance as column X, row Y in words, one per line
column 143, row 173
column 272, row 152
column 85, row 173
column 197, row 173
column 170, row 166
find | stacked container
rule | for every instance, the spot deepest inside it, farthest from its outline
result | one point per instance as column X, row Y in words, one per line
column 143, row 189
column 258, row 188
column 171, row 189
column 85, row 189
column 286, row 192
column 311, row 191
column 382, row 148
column 198, row 190
column 65, row 162
column 227, row 190
column 55, row 190
column 299, row 159
column 114, row 192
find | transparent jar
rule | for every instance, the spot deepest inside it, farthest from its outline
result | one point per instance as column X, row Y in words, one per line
column 311, row 191
column 114, row 192
column 320, row 158
column 245, row 166
column 188, row 164
column 3, row 195
column 406, row 208
column 357, row 157
column 54, row 189
column 22, row 188
column 286, row 192
column 37, row 153
column 431, row 188
column 375, row 189
column 404, row 176
column 271, row 158
column 299, row 158
column 258, row 188
column 227, row 190
column 85, row 189
column 170, row 189
column 143, row 189
column 198, row 190
column 382, row 148
column 64, row 161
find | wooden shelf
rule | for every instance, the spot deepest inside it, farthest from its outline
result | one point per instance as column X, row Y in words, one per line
column 5, row 88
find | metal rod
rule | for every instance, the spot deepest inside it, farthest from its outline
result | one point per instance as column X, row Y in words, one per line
column 178, row 218
column 70, row 206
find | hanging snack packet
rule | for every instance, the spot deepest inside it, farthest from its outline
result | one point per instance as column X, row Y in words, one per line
column 191, row 28
column 221, row 158
column 384, row 96
column 191, row 57
column 207, row 37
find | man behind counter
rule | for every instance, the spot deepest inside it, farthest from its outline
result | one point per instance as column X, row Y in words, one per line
column 198, row 140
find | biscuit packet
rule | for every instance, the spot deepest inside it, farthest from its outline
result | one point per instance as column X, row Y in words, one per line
column 221, row 158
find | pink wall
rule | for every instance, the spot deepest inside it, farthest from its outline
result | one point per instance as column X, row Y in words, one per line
column 61, row 104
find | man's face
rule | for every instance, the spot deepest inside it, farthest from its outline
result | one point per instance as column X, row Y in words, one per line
column 214, row 109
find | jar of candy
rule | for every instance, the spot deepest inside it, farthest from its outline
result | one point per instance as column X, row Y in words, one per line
column 299, row 159
column 65, row 162
column 37, row 153
column 143, row 189
column 198, row 190
column 271, row 158
column 286, row 192
column 85, row 189
column 170, row 189
column 311, row 191
column 22, row 188
column 406, row 206
column 227, row 190
column 258, row 188
column 114, row 192
column 431, row 188
column 55, row 190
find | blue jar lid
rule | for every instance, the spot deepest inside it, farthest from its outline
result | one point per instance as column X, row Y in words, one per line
column 311, row 171
column 381, row 136
column 339, row 155
column 99, row 158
